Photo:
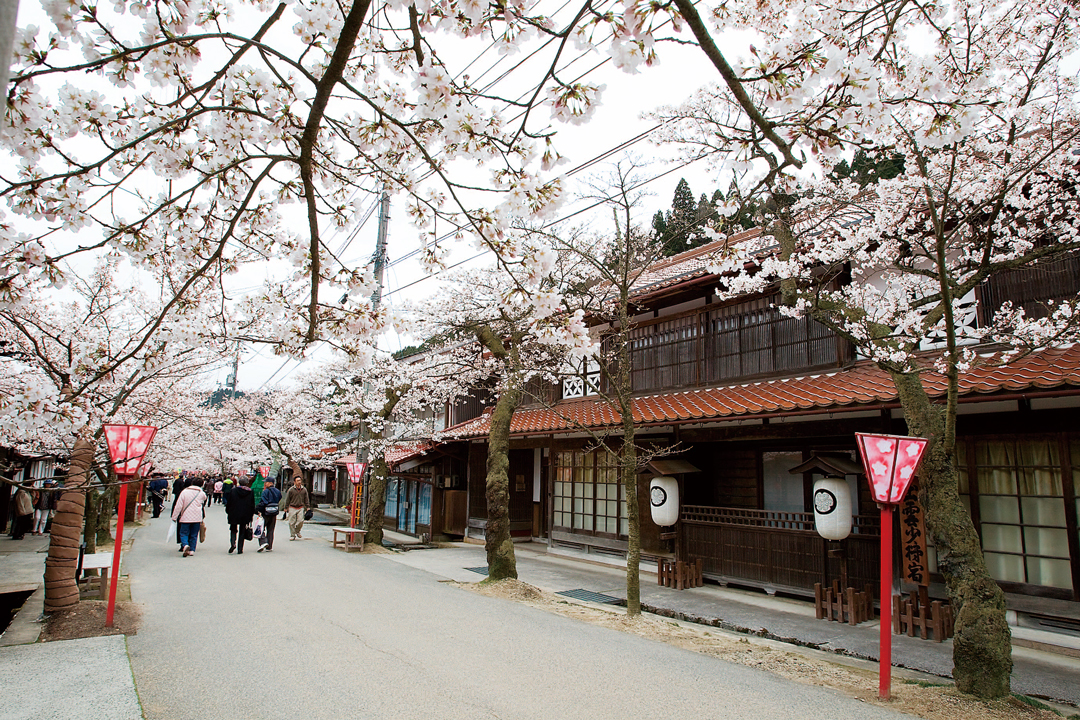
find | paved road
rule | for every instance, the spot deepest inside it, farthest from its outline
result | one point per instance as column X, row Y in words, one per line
column 309, row 632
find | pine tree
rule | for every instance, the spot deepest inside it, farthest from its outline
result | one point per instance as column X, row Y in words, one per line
column 680, row 220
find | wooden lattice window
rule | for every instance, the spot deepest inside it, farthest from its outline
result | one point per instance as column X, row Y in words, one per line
column 718, row 345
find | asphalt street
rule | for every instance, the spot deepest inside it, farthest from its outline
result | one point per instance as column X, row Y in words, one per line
column 310, row 632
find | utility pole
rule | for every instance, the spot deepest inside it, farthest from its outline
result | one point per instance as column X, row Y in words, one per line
column 364, row 432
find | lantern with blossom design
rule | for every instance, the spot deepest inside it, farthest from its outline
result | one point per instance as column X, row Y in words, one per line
column 891, row 462
column 356, row 475
column 127, row 451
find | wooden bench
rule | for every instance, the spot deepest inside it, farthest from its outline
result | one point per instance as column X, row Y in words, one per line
column 99, row 561
column 349, row 539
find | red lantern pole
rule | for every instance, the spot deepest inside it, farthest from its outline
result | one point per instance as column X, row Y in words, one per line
column 885, row 641
column 116, row 550
column 127, row 450
column 891, row 462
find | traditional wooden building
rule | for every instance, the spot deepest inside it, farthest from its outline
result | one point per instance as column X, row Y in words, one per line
column 746, row 395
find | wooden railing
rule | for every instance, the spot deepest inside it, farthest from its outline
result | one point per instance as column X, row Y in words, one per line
column 774, row 549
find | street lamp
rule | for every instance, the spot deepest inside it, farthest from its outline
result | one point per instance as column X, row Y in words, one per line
column 891, row 462
column 127, row 451
column 356, row 475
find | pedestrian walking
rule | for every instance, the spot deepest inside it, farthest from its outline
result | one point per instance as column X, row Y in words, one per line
column 240, row 510
column 226, row 491
column 178, row 486
column 257, row 486
column 296, row 504
column 159, row 487
column 219, row 488
column 45, row 507
column 189, row 513
column 269, row 504
column 24, row 513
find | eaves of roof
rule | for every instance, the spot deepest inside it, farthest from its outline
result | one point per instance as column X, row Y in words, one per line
column 854, row 388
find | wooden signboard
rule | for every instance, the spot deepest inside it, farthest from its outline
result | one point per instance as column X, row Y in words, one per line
column 913, row 539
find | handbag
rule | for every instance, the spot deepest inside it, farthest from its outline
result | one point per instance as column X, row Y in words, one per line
column 248, row 535
column 259, row 528
column 202, row 532
column 309, row 514
column 271, row 509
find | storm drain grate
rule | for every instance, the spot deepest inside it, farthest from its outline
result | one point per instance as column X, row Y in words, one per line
column 590, row 596
column 482, row 570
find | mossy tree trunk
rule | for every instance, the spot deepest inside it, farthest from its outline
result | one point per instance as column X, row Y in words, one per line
column 376, row 493
column 61, row 590
column 502, row 562
column 376, row 500
column 106, row 503
column 982, row 650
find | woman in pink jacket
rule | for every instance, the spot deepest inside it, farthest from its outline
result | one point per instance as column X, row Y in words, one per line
column 188, row 514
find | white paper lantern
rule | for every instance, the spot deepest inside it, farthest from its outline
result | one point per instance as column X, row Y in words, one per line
column 832, row 508
column 664, row 500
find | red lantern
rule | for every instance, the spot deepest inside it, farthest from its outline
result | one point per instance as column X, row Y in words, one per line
column 127, row 446
column 356, row 475
column 891, row 462
column 127, row 451
column 264, row 470
column 356, row 472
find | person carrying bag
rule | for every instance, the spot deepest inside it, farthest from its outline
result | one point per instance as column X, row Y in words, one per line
column 241, row 509
column 269, row 504
column 189, row 513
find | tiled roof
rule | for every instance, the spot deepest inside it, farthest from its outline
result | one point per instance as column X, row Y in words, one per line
column 849, row 389
column 407, row 451
column 399, row 452
column 685, row 266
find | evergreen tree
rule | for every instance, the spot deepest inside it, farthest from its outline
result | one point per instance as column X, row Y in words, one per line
column 680, row 220
column 659, row 225
column 867, row 168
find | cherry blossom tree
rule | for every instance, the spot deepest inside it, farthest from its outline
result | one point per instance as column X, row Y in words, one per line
column 598, row 272
column 975, row 102
column 175, row 133
column 293, row 423
column 390, row 400
column 74, row 366
column 506, row 331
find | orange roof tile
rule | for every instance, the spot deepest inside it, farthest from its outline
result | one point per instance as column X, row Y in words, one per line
column 398, row 453
column 862, row 384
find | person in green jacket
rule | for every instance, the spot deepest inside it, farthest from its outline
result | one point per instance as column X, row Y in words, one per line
column 257, row 486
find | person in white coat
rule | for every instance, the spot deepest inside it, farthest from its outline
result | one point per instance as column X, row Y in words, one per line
column 188, row 514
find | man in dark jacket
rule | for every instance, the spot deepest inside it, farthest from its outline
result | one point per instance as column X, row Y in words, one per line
column 268, row 507
column 159, row 487
column 241, row 509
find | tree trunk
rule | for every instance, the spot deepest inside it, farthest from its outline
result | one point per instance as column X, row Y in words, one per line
column 982, row 649
column 91, row 520
column 61, row 590
column 107, row 501
column 502, row 563
column 628, row 470
column 376, row 507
